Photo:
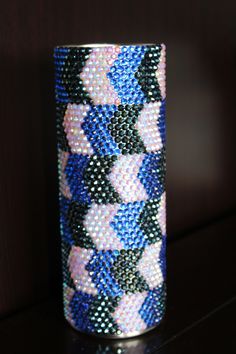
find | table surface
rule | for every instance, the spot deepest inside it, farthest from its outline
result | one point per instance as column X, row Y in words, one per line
column 201, row 307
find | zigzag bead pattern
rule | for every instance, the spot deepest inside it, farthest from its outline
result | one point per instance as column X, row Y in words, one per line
column 110, row 109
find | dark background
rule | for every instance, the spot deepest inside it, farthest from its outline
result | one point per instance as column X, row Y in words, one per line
column 201, row 74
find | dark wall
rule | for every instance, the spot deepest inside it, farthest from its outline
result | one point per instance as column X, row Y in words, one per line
column 201, row 76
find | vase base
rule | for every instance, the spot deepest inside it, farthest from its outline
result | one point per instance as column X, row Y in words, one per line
column 117, row 336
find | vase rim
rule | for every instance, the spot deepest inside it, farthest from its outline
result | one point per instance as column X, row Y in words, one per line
column 103, row 45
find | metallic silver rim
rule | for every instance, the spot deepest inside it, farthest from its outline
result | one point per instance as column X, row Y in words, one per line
column 103, row 45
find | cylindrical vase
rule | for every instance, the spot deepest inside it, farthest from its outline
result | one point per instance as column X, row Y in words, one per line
column 110, row 102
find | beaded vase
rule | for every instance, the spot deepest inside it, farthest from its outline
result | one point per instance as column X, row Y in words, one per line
column 110, row 102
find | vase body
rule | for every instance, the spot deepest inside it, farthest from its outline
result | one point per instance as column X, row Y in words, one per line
column 110, row 102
